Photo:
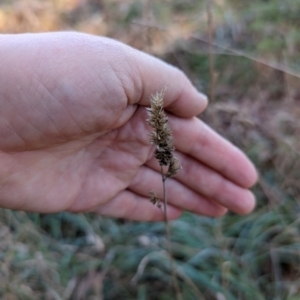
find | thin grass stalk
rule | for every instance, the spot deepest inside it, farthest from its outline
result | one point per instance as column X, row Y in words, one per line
column 211, row 56
column 168, row 236
column 161, row 137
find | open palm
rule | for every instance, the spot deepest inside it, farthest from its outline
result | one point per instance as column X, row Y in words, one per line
column 73, row 134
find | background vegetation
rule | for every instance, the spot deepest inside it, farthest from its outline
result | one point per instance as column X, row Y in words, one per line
column 255, row 97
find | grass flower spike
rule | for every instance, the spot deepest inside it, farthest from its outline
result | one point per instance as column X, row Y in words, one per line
column 161, row 137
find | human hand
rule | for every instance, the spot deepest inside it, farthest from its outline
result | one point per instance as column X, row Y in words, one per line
column 74, row 137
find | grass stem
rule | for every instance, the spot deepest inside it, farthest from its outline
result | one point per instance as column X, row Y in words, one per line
column 168, row 235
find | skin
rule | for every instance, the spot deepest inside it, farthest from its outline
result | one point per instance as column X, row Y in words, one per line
column 73, row 135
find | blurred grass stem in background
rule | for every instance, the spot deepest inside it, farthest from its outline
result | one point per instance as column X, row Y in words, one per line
column 210, row 33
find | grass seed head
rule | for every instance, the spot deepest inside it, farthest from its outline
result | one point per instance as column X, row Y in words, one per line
column 161, row 135
column 154, row 199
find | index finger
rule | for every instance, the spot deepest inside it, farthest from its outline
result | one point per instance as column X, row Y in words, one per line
column 151, row 76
